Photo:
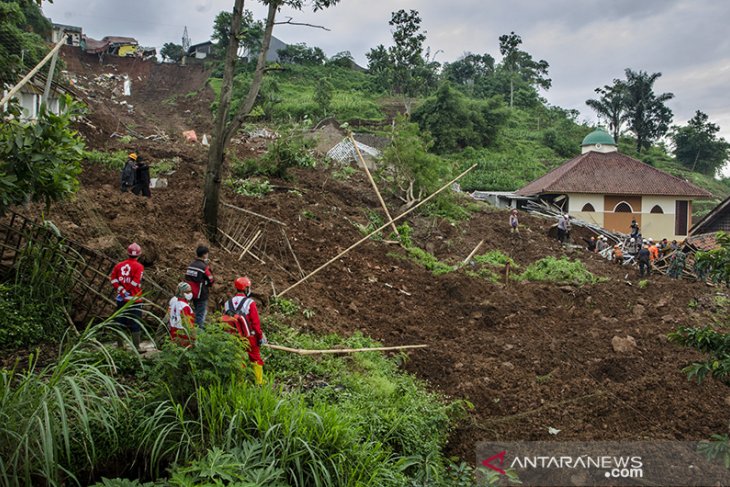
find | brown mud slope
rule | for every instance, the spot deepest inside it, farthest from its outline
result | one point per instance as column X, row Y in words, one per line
column 529, row 356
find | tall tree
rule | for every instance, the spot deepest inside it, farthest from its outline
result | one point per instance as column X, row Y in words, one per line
column 611, row 106
column 173, row 52
column 469, row 70
column 250, row 34
column 520, row 66
column 647, row 115
column 698, row 147
column 226, row 124
column 402, row 68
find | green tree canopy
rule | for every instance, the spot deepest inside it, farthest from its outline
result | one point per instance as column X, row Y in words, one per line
column 520, row 67
column 456, row 122
column 468, row 71
column 698, row 147
column 413, row 171
column 22, row 26
column 171, row 51
column 301, row 54
column 646, row 113
column 611, row 106
column 402, row 68
column 250, row 35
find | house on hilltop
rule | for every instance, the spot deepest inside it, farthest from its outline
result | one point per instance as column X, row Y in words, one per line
column 717, row 220
column 72, row 33
column 610, row 189
column 201, row 50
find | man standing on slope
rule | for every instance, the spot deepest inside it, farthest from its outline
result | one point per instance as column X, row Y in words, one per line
column 243, row 308
column 126, row 277
column 200, row 278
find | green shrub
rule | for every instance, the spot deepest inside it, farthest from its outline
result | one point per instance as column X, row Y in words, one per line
column 495, row 258
column 255, row 187
column 558, row 270
column 24, row 324
column 216, row 357
column 429, row 261
column 287, row 307
column 163, row 167
column 291, row 149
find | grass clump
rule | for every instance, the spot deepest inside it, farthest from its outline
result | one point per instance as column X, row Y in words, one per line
column 429, row 261
column 255, row 187
column 495, row 258
column 563, row 270
column 109, row 160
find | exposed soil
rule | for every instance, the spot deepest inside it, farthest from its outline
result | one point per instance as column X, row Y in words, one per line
column 528, row 356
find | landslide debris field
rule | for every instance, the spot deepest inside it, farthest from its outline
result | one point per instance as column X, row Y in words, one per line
column 529, row 356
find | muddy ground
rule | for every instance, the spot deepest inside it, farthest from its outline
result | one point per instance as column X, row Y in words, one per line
column 528, row 356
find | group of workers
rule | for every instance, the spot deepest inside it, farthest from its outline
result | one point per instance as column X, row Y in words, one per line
column 645, row 251
column 187, row 309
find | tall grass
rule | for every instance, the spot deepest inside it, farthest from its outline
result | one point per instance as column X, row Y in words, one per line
column 52, row 418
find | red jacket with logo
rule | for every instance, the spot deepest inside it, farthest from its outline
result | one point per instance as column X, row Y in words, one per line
column 126, row 277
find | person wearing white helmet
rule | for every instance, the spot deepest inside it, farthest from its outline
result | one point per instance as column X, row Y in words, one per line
column 126, row 277
column 181, row 315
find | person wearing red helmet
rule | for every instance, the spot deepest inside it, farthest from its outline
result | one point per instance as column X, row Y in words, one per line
column 243, row 308
column 126, row 277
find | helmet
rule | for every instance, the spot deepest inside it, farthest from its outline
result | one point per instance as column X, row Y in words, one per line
column 133, row 156
column 633, row 239
column 242, row 283
column 605, row 239
column 183, row 288
column 651, row 239
column 134, row 250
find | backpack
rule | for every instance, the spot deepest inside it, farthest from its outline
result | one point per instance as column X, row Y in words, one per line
column 235, row 320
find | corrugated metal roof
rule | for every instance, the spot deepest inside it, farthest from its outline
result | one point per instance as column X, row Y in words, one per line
column 611, row 173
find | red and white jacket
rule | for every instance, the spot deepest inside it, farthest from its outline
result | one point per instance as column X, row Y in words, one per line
column 248, row 313
column 126, row 277
column 181, row 315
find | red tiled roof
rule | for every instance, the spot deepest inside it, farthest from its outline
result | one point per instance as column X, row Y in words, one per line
column 611, row 173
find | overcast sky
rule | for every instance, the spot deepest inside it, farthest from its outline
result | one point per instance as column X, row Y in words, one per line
column 587, row 43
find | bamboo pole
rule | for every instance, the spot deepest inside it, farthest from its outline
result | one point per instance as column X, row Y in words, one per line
column 300, row 351
column 32, row 72
column 254, row 214
column 250, row 244
column 375, row 186
column 402, row 215
column 468, row 257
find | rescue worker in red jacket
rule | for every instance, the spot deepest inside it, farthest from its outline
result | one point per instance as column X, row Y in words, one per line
column 200, row 278
column 126, row 277
column 242, row 307
column 181, row 315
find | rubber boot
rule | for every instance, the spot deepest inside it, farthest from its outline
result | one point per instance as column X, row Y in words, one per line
column 136, row 336
column 258, row 373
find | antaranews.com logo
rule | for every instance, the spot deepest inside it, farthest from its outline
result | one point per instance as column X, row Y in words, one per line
column 601, row 463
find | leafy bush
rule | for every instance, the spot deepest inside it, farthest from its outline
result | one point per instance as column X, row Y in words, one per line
column 495, row 258
column 716, row 262
column 216, row 357
column 287, row 307
column 558, row 270
column 290, row 150
column 23, row 324
column 255, row 187
column 39, row 161
column 710, row 341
